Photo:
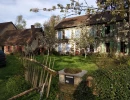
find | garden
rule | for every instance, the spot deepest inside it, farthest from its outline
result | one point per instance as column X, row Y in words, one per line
column 110, row 73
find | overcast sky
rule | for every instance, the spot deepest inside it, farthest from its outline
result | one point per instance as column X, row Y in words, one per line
column 10, row 9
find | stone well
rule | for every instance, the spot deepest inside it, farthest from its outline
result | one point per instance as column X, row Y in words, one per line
column 68, row 83
column 74, row 79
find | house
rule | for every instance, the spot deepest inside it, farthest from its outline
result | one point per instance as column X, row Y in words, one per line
column 4, row 27
column 27, row 40
column 110, row 33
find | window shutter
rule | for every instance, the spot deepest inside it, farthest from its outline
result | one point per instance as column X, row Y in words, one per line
column 111, row 46
column 103, row 31
column 111, row 30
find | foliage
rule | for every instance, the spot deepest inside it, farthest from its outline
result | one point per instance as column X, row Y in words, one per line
column 85, row 39
column 50, row 32
column 83, row 92
column 73, row 8
column 112, row 78
column 16, row 85
column 37, row 25
column 20, row 22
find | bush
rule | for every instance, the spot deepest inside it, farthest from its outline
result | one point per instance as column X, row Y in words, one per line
column 112, row 79
column 16, row 85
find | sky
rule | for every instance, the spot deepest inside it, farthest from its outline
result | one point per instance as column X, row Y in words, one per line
column 10, row 9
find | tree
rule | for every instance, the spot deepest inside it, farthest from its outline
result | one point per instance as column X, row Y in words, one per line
column 37, row 25
column 74, row 8
column 113, row 4
column 50, row 32
column 120, row 8
column 20, row 22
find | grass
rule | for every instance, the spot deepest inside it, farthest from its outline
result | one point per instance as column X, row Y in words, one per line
column 62, row 62
column 12, row 68
column 15, row 68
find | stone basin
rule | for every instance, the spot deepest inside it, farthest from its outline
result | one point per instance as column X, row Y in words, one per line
column 68, row 78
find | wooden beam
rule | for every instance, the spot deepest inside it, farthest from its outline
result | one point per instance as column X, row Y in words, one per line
column 24, row 93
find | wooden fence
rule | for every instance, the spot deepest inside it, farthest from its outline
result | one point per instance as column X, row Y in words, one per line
column 39, row 74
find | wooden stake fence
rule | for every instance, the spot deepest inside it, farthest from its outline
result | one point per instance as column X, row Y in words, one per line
column 39, row 74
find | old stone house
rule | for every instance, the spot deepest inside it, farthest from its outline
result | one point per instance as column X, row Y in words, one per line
column 110, row 33
column 26, row 41
column 4, row 27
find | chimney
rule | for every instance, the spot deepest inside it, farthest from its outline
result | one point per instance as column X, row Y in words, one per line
column 32, row 27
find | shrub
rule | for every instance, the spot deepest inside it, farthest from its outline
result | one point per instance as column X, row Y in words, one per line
column 112, row 79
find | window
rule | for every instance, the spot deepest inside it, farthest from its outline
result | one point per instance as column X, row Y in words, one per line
column 123, row 47
column 63, row 34
column 107, row 30
column 77, row 33
column 91, row 48
column 98, row 32
column 67, row 34
column 67, row 47
column 91, row 31
column 107, row 47
column 60, row 35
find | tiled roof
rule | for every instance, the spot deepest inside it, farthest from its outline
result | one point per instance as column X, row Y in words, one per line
column 5, row 24
column 71, row 22
column 87, row 20
column 19, row 37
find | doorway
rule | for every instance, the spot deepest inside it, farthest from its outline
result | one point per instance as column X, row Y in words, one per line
column 107, row 47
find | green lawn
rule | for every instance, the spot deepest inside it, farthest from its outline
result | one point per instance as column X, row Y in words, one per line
column 62, row 62
column 75, row 62
column 14, row 68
